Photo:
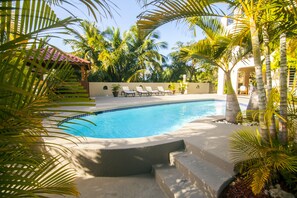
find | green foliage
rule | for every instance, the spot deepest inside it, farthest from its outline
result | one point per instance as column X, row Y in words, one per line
column 292, row 116
column 27, row 97
column 261, row 161
column 27, row 169
column 172, row 86
column 117, row 58
column 115, row 87
column 182, row 86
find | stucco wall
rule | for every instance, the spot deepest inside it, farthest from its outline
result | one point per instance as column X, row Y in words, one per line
column 96, row 88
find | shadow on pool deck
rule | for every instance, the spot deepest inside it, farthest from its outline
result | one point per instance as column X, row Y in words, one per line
column 207, row 135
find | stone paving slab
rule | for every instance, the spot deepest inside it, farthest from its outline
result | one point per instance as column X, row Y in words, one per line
column 138, row 186
column 144, row 185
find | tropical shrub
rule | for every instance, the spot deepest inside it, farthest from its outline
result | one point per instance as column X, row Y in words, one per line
column 28, row 96
column 262, row 162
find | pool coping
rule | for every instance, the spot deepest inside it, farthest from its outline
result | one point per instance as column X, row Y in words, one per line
column 130, row 156
column 126, row 143
column 116, row 143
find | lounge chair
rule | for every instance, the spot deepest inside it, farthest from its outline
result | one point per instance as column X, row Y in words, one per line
column 163, row 91
column 151, row 91
column 140, row 91
column 126, row 91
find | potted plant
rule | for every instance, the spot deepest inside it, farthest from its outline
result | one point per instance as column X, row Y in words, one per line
column 182, row 87
column 172, row 87
column 115, row 89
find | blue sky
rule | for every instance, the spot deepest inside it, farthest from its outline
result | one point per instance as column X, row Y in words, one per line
column 128, row 10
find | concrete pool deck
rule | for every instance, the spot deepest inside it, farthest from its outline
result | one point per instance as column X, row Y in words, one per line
column 211, row 136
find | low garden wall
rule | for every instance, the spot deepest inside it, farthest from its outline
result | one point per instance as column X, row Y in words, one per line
column 104, row 88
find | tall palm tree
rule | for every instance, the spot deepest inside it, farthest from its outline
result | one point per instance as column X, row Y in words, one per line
column 146, row 52
column 27, row 168
column 89, row 44
column 288, row 24
column 114, row 56
column 220, row 49
column 249, row 15
column 119, row 57
column 185, row 9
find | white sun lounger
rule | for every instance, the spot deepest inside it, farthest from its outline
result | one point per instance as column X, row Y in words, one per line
column 151, row 91
column 126, row 91
column 140, row 91
column 163, row 91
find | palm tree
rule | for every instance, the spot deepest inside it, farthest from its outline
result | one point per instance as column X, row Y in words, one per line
column 27, row 168
column 218, row 49
column 173, row 10
column 89, row 44
column 116, row 57
column 248, row 15
column 145, row 50
column 288, row 23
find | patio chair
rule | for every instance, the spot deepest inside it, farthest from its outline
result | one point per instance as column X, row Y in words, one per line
column 164, row 91
column 126, row 91
column 140, row 91
column 151, row 91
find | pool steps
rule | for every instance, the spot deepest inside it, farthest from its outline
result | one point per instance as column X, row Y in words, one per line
column 174, row 184
column 193, row 173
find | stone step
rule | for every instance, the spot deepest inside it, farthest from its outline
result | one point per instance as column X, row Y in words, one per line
column 174, row 184
column 205, row 175
column 218, row 158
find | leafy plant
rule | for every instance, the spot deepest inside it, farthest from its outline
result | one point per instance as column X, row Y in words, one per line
column 28, row 96
column 115, row 87
column 261, row 161
column 182, row 86
column 172, row 86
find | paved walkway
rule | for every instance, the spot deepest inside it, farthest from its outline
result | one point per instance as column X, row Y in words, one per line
column 143, row 186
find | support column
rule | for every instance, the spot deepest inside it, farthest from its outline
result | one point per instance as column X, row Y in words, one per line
column 221, row 82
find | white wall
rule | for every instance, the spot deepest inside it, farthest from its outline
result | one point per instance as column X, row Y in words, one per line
column 96, row 88
column 234, row 75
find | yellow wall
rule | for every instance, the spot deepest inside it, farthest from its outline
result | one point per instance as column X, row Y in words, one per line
column 96, row 88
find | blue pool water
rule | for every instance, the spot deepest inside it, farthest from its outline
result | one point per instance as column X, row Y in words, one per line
column 142, row 121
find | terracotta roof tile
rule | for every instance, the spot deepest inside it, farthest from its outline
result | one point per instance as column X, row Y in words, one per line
column 73, row 60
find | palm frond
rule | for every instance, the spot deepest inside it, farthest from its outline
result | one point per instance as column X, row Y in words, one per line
column 167, row 11
column 34, row 176
column 25, row 97
column 260, row 178
column 259, row 160
column 102, row 7
column 246, row 145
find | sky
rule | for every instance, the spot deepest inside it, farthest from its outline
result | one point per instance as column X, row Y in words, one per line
column 124, row 17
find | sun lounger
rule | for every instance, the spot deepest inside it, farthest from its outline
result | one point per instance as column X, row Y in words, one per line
column 140, row 91
column 163, row 91
column 151, row 91
column 126, row 91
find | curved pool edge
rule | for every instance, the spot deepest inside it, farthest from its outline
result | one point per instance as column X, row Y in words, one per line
column 94, row 157
column 87, row 159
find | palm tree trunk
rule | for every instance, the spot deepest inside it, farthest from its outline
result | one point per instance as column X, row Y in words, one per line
column 272, row 129
column 232, row 105
column 259, row 78
column 283, row 133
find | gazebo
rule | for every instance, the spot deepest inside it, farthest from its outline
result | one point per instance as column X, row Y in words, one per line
column 51, row 54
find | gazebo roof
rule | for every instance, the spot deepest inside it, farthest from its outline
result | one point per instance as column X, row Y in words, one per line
column 54, row 55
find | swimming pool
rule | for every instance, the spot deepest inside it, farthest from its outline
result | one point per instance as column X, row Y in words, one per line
column 142, row 121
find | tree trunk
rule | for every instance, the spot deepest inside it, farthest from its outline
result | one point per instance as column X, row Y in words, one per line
column 232, row 105
column 272, row 129
column 259, row 79
column 253, row 106
column 283, row 133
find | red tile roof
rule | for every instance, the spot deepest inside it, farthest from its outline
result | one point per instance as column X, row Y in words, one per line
column 73, row 60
